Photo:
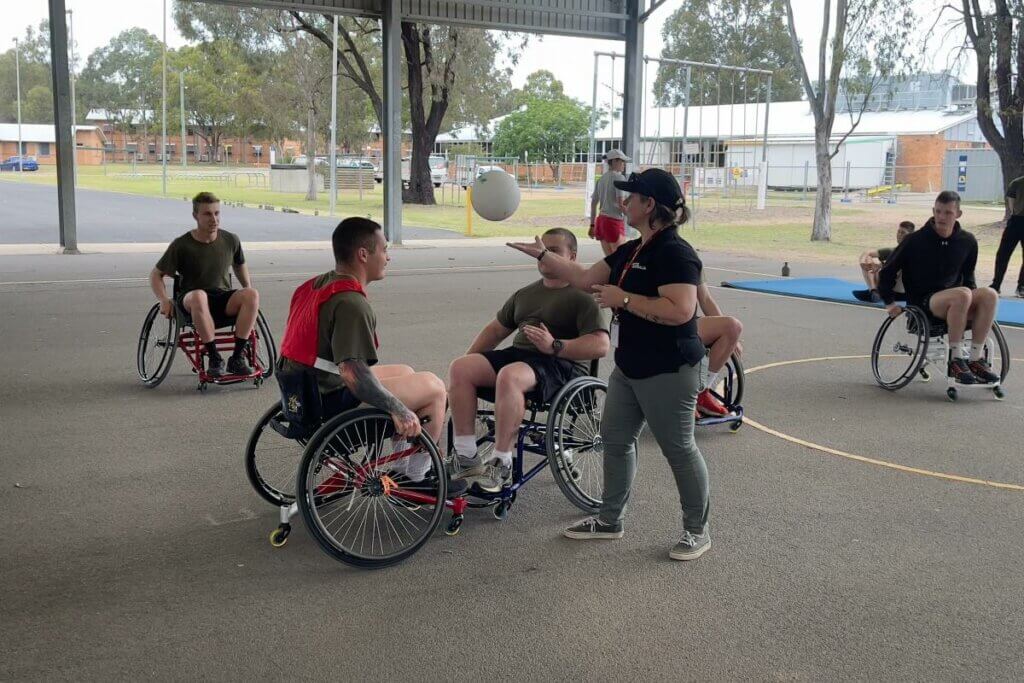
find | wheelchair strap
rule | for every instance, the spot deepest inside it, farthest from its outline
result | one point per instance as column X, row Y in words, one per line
column 325, row 365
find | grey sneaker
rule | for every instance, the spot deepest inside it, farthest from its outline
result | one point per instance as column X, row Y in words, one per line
column 494, row 478
column 691, row 546
column 467, row 468
column 594, row 528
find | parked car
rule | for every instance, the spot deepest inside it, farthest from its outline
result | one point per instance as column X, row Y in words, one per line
column 438, row 170
column 480, row 170
column 302, row 160
column 349, row 162
column 27, row 164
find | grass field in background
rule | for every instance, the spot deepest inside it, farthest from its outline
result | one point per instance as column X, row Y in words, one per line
column 723, row 224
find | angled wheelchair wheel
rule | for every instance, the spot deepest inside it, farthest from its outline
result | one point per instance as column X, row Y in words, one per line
column 265, row 352
column 997, row 352
column 158, row 341
column 356, row 506
column 271, row 460
column 900, row 348
column 730, row 388
column 575, row 451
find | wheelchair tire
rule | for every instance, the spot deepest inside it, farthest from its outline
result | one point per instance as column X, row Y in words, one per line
column 341, row 494
column 1003, row 361
column 732, row 379
column 573, row 441
column 158, row 342
column 271, row 460
column 916, row 325
column 266, row 348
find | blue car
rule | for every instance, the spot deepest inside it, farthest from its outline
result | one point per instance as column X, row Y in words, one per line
column 27, row 164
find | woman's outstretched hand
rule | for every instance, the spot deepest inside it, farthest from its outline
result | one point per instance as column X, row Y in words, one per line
column 534, row 249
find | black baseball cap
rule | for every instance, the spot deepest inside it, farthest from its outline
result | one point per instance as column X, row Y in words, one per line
column 656, row 183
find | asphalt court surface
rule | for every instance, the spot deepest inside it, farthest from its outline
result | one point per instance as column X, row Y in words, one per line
column 136, row 547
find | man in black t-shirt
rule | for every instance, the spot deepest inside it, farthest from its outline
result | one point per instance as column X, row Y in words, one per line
column 937, row 265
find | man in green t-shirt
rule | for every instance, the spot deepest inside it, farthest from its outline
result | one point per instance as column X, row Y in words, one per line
column 203, row 258
column 560, row 328
column 872, row 261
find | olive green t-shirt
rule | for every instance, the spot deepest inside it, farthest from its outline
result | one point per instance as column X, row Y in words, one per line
column 202, row 265
column 567, row 312
column 1016, row 192
column 347, row 331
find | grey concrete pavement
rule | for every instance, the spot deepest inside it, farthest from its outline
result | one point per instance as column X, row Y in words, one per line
column 28, row 215
column 135, row 547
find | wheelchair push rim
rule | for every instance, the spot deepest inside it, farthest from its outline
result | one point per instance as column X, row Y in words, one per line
column 158, row 341
column 271, row 460
column 574, row 446
column 900, row 348
column 356, row 505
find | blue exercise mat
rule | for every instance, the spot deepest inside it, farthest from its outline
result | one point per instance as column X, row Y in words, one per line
column 833, row 289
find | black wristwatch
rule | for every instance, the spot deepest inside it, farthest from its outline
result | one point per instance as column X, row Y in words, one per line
column 556, row 346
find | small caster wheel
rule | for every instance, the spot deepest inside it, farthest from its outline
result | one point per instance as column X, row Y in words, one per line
column 454, row 525
column 925, row 375
column 279, row 536
column 1000, row 394
column 735, row 426
column 203, row 386
column 258, row 382
column 501, row 511
column 951, row 393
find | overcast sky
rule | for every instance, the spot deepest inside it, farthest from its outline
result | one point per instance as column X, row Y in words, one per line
column 96, row 21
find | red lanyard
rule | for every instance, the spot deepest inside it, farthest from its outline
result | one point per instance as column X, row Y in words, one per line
column 632, row 259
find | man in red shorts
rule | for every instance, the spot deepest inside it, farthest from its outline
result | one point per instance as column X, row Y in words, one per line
column 608, row 226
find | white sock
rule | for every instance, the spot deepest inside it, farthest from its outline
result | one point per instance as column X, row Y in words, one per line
column 417, row 465
column 961, row 349
column 504, row 458
column 977, row 351
column 401, row 465
column 713, row 379
column 465, row 446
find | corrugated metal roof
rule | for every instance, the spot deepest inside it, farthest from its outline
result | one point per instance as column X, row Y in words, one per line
column 587, row 18
column 36, row 132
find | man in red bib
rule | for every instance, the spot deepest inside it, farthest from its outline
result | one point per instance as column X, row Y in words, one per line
column 332, row 329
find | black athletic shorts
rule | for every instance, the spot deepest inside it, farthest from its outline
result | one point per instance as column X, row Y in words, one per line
column 217, row 299
column 552, row 373
column 337, row 402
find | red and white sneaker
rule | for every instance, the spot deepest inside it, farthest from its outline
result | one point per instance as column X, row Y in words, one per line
column 710, row 406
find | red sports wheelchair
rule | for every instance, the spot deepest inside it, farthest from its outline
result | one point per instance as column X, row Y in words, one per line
column 161, row 337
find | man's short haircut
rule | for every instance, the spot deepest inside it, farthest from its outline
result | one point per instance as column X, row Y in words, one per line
column 948, row 197
column 203, row 198
column 351, row 235
column 908, row 226
column 567, row 235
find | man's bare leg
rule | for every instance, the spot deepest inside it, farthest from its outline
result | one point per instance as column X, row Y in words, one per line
column 721, row 333
column 243, row 306
column 198, row 306
column 465, row 375
column 982, row 312
column 382, row 372
column 424, row 394
column 512, row 383
column 952, row 305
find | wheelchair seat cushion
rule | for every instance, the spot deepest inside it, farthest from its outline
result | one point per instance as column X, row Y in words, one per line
column 552, row 373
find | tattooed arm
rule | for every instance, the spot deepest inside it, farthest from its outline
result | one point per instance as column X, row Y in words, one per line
column 675, row 304
column 361, row 381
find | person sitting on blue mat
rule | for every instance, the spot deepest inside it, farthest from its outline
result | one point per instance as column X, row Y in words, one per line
column 937, row 264
column 872, row 261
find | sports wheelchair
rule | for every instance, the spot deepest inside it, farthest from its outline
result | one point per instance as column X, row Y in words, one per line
column 360, row 507
column 730, row 392
column 907, row 344
column 161, row 337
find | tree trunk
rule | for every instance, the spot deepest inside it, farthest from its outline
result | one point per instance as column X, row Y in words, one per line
column 822, row 231
column 311, row 152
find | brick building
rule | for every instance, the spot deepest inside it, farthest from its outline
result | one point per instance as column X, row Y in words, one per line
column 39, row 140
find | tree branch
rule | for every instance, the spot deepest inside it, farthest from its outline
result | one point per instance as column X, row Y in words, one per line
column 805, row 79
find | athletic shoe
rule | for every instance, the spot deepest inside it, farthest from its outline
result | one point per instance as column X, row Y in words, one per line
column 1020, row 292
column 960, row 371
column 237, row 365
column 862, row 295
column 494, row 478
column 691, row 546
column 593, row 528
column 468, row 468
column 456, row 487
column 983, row 371
column 708, row 405
column 215, row 366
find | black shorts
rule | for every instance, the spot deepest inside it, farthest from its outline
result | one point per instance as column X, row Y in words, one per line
column 217, row 300
column 337, row 402
column 552, row 373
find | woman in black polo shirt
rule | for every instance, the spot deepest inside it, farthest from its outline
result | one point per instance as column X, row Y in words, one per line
column 651, row 285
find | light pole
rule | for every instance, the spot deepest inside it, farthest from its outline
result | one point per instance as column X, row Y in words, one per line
column 17, row 80
column 163, row 137
column 334, row 117
column 181, row 103
column 74, row 117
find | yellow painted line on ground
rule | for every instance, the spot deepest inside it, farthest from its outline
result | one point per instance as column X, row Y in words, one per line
column 863, row 458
